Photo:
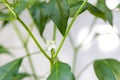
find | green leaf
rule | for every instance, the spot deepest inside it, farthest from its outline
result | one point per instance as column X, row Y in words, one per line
column 40, row 15
column 108, row 13
column 61, row 71
column 10, row 69
column 92, row 9
column 3, row 50
column 96, row 12
column 59, row 12
column 3, row 15
column 20, row 6
column 108, row 69
column 20, row 76
column 6, row 16
column 70, row 2
column 74, row 7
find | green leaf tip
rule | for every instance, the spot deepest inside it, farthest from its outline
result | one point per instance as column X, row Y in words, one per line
column 101, row 5
column 56, row 10
column 59, row 13
column 40, row 15
column 4, row 50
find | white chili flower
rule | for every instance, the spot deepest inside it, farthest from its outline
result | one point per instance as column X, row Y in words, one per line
column 50, row 45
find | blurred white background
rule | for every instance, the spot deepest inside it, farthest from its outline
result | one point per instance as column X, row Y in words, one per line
column 103, row 46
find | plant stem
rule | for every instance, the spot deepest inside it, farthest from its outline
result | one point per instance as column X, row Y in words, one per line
column 71, row 40
column 69, row 27
column 8, row 6
column 80, row 45
column 74, row 60
column 30, row 62
column 33, row 37
column 28, row 36
column 54, row 32
column 51, row 65
column 75, row 53
column 18, row 33
column 26, row 50
column 78, row 76
column 90, row 30
column 28, row 30
column 30, row 54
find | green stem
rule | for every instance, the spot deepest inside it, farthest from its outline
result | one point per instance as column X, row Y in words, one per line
column 54, row 32
column 80, row 45
column 74, row 61
column 18, row 32
column 8, row 6
column 75, row 53
column 71, row 41
column 51, row 65
column 79, row 75
column 27, row 51
column 30, row 54
column 33, row 37
column 28, row 30
column 31, row 63
column 90, row 30
column 69, row 27
column 28, row 36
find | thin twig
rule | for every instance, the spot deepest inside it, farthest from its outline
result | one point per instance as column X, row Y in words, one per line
column 69, row 27
column 79, row 75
